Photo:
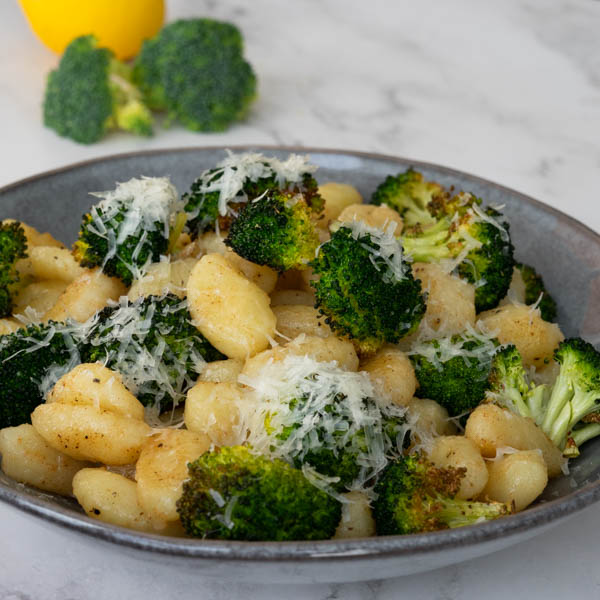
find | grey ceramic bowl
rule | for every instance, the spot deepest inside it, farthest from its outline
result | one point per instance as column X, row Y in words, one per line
column 563, row 250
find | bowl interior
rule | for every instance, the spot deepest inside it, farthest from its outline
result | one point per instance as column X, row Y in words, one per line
column 564, row 251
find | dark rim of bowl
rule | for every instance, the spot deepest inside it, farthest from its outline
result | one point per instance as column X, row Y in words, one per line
column 364, row 548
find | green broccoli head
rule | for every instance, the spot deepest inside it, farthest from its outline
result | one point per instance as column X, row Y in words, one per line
column 324, row 420
column 575, row 394
column 365, row 287
column 32, row 359
column 534, row 288
column 275, row 229
column 13, row 246
column 409, row 194
column 90, row 93
column 509, row 382
column 217, row 196
column 233, row 494
column 454, row 370
column 567, row 410
column 129, row 228
column 195, row 69
column 414, row 496
column 153, row 344
column 477, row 239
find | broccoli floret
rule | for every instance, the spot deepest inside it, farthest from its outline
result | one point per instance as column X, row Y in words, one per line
column 566, row 411
column 365, row 287
column 13, row 246
column 128, row 228
column 534, row 287
column 90, row 93
column 321, row 417
column 195, row 69
column 217, row 196
column 153, row 344
column 464, row 231
column 337, row 454
column 414, row 496
column 232, row 494
column 277, row 230
column 454, row 370
column 29, row 359
column 409, row 194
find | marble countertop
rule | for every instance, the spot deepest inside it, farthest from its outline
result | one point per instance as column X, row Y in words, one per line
column 509, row 91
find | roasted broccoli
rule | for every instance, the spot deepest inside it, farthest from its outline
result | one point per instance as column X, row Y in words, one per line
column 153, row 344
column 31, row 361
column 233, row 494
column 534, row 288
column 217, row 196
column 13, row 246
column 409, row 194
column 128, row 228
column 195, row 70
column 414, row 496
column 365, row 286
column 319, row 417
column 472, row 236
column 275, row 229
column 567, row 410
column 91, row 92
column 454, row 370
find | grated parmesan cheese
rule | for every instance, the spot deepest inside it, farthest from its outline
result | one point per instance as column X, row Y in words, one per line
column 320, row 406
column 385, row 250
column 441, row 350
column 236, row 170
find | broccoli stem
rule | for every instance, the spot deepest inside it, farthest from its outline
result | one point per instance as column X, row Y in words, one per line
column 458, row 513
column 562, row 392
column 536, row 402
column 585, row 433
column 571, row 413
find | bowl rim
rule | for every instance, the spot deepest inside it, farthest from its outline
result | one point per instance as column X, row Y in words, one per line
column 333, row 549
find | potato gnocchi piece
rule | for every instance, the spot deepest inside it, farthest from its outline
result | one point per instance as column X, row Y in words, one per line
column 430, row 417
column 27, row 458
column 112, row 498
column 95, row 385
column 392, row 375
column 222, row 371
column 524, row 327
column 35, row 238
column 233, row 313
column 163, row 277
column 9, row 326
column 294, row 320
column 493, row 428
column 85, row 296
column 88, row 433
column 40, row 296
column 460, row 452
column 327, row 349
column 518, row 477
column 372, row 215
column 264, row 277
column 357, row 519
column 214, row 410
column 450, row 302
column 337, row 197
column 162, row 468
column 50, row 263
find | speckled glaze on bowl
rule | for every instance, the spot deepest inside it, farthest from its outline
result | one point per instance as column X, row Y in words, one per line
column 567, row 254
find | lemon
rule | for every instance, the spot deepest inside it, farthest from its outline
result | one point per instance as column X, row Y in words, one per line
column 121, row 25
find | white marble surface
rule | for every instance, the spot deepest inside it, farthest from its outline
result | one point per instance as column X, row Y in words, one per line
column 507, row 90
